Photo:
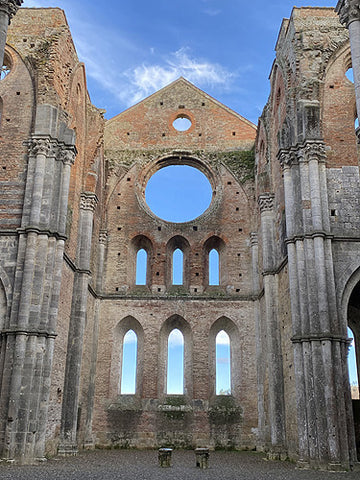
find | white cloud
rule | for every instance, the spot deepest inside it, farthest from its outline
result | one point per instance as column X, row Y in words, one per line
column 222, row 338
column 147, row 79
column 130, row 337
column 176, row 338
column 212, row 12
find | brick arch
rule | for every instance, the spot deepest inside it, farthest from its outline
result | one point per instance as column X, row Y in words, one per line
column 137, row 243
column 176, row 321
column 183, row 244
column 119, row 332
column 217, row 243
column 337, row 121
column 226, row 324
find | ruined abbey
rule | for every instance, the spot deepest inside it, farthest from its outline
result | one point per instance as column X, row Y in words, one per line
column 284, row 221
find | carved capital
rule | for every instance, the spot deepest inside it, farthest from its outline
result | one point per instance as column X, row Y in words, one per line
column 253, row 239
column 88, row 201
column 40, row 146
column 10, row 7
column 103, row 235
column 349, row 11
column 287, row 158
column 312, row 151
column 67, row 155
column 266, row 202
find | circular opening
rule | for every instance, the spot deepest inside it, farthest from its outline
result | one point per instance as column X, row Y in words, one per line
column 182, row 124
column 350, row 75
column 178, row 193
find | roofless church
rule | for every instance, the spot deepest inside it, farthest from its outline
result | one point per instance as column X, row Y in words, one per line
column 283, row 225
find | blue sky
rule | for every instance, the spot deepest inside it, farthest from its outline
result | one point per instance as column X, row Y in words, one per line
column 131, row 49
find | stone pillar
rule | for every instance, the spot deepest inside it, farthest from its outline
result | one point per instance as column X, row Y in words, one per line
column 318, row 338
column 69, row 419
column 274, row 354
column 29, row 335
column 260, row 335
column 89, row 441
column 349, row 14
column 8, row 9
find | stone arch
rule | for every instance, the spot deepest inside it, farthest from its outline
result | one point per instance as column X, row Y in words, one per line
column 336, row 91
column 120, row 330
column 137, row 243
column 217, row 243
column 224, row 323
column 176, row 322
column 174, row 243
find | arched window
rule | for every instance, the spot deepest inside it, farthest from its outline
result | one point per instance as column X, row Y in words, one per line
column 175, row 363
column 177, row 267
column 141, row 267
column 223, row 364
column 214, row 262
column 352, row 366
column 214, row 267
column 128, row 364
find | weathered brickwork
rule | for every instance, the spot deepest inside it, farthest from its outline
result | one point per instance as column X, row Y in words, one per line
column 284, row 218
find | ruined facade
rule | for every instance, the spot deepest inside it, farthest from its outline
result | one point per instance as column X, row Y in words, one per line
column 284, row 220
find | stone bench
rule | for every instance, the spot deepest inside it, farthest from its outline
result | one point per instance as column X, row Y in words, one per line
column 202, row 457
column 165, row 457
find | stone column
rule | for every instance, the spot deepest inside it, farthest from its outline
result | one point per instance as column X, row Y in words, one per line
column 318, row 338
column 274, row 354
column 89, row 441
column 69, row 418
column 349, row 13
column 30, row 333
column 8, row 9
column 260, row 335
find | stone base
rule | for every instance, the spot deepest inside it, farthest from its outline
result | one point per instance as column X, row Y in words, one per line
column 68, row 450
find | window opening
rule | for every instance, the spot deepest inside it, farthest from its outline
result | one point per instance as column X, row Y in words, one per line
column 129, row 361
column 352, row 367
column 223, row 366
column 177, row 267
column 175, row 363
column 214, row 267
column 178, row 193
column 141, row 264
column 182, row 123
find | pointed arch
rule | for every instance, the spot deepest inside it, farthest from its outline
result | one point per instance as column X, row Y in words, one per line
column 217, row 244
column 177, row 243
column 222, row 329
column 141, row 250
column 120, row 337
column 179, row 324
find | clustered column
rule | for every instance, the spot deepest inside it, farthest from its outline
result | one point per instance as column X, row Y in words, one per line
column 68, row 440
column 320, row 343
column 8, row 9
column 29, row 335
column 274, row 354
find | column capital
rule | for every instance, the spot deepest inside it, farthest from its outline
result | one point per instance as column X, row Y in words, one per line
column 253, row 239
column 312, row 151
column 40, row 145
column 10, row 7
column 88, row 201
column 103, row 235
column 266, row 202
column 349, row 11
column 67, row 155
column 287, row 157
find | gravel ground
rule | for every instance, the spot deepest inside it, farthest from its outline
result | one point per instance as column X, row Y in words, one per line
column 143, row 465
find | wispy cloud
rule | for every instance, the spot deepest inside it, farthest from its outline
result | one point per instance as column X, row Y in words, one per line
column 147, row 79
column 176, row 338
column 212, row 12
column 222, row 338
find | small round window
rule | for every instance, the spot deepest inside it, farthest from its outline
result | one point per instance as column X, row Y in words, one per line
column 178, row 193
column 182, row 123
